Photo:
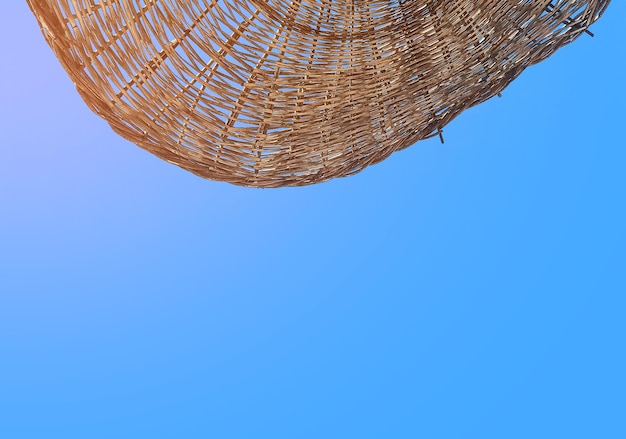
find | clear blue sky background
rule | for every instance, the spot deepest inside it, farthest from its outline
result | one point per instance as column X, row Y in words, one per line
column 474, row 289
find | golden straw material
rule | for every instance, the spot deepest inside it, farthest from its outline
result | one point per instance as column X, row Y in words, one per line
column 275, row 93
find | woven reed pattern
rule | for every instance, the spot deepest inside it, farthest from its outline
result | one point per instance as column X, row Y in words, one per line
column 273, row 93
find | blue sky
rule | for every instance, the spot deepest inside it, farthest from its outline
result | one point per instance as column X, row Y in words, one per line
column 468, row 290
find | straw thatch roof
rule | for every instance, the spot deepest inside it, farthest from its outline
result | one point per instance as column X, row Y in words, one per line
column 275, row 92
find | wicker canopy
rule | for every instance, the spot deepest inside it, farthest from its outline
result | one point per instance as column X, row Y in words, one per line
column 276, row 92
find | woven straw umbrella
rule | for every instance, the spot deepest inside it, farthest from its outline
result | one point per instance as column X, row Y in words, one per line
column 275, row 93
